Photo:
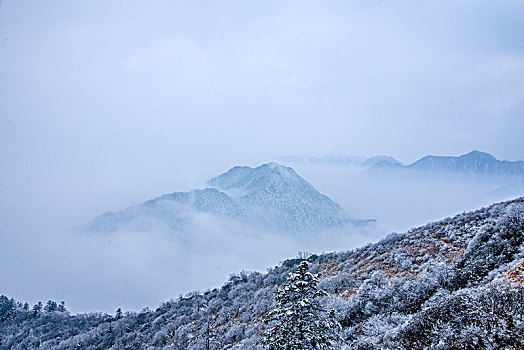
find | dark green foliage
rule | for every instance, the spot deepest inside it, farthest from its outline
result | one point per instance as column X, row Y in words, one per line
column 7, row 308
column 51, row 306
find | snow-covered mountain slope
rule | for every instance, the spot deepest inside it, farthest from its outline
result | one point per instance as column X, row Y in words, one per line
column 457, row 283
column 270, row 196
column 475, row 163
column 172, row 210
column 282, row 197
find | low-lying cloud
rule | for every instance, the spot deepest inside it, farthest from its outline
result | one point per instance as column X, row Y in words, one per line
column 45, row 256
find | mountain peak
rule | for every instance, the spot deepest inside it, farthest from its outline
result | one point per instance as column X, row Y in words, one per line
column 478, row 155
column 261, row 176
column 275, row 166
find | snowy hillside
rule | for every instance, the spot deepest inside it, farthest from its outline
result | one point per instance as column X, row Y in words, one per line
column 453, row 284
column 270, row 196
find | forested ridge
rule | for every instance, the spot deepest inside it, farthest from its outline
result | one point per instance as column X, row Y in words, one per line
column 452, row 284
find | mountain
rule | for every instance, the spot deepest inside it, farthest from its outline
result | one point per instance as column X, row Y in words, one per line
column 270, row 196
column 378, row 159
column 336, row 158
column 172, row 210
column 453, row 284
column 383, row 165
column 474, row 163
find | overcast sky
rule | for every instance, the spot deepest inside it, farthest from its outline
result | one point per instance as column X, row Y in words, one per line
column 104, row 104
column 111, row 92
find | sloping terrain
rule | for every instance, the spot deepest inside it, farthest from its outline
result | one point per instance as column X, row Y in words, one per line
column 451, row 284
column 270, row 196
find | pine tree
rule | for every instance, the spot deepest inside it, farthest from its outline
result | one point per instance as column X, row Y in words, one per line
column 51, row 306
column 118, row 314
column 298, row 321
column 62, row 307
column 37, row 309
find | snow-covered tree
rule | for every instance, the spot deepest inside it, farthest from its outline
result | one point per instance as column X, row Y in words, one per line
column 118, row 314
column 51, row 306
column 298, row 322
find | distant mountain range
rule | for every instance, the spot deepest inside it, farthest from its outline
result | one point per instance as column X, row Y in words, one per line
column 475, row 163
column 270, row 196
column 337, row 158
